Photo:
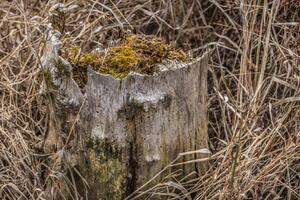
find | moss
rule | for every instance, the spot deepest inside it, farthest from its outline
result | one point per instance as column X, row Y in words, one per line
column 48, row 79
column 47, row 76
column 121, row 61
column 106, row 172
column 80, row 62
column 134, row 53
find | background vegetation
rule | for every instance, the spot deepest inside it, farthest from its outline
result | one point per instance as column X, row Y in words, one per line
column 253, row 89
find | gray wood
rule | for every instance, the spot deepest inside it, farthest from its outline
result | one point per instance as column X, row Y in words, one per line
column 120, row 133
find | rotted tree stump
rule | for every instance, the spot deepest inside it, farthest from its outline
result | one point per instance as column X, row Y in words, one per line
column 121, row 132
column 141, row 123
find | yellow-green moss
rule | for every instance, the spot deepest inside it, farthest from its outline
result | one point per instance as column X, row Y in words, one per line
column 134, row 53
column 120, row 61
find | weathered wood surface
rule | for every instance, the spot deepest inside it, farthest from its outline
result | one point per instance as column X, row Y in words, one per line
column 120, row 133
column 146, row 120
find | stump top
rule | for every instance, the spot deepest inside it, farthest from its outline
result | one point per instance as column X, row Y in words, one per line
column 133, row 53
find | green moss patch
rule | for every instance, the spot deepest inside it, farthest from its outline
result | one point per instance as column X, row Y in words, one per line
column 106, row 171
column 135, row 53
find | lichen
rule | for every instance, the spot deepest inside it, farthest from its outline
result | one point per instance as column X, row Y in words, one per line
column 106, row 172
column 133, row 53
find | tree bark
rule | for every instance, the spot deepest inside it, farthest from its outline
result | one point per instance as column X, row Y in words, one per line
column 120, row 133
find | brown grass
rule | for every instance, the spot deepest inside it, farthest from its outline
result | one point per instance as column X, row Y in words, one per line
column 253, row 89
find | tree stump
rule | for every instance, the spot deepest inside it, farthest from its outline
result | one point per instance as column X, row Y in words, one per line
column 121, row 132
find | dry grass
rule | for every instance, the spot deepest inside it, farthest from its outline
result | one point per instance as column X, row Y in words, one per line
column 253, row 94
